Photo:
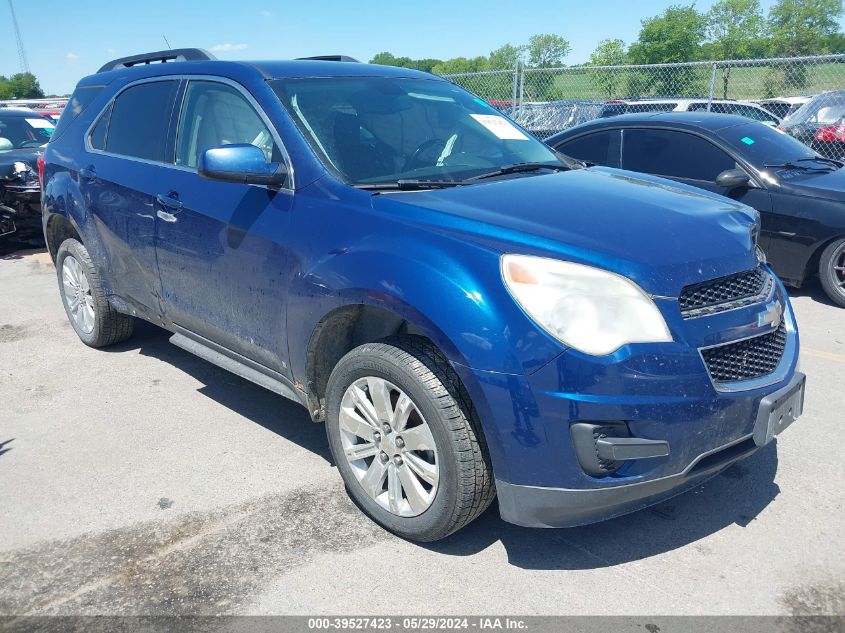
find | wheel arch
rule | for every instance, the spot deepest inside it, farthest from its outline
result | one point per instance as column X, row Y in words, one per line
column 58, row 229
column 813, row 261
column 346, row 327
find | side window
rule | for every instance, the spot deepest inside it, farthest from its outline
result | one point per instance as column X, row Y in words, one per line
column 139, row 119
column 97, row 138
column 601, row 148
column 753, row 113
column 673, row 154
column 79, row 100
column 217, row 114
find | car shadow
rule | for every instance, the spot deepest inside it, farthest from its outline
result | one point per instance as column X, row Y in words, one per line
column 735, row 497
column 275, row 413
column 812, row 289
column 4, row 446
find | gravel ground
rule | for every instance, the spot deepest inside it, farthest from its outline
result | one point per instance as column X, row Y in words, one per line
column 142, row 480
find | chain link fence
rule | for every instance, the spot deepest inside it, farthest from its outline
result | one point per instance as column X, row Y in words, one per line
column 548, row 100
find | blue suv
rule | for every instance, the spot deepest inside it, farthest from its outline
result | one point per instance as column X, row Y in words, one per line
column 471, row 314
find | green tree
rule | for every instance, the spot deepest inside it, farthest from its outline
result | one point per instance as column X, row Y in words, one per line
column 608, row 53
column 388, row 59
column 20, row 86
column 674, row 36
column 547, row 50
column 803, row 27
column 384, row 58
column 505, row 57
column 737, row 30
column 461, row 65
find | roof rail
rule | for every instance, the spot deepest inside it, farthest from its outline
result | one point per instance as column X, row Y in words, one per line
column 172, row 55
column 330, row 58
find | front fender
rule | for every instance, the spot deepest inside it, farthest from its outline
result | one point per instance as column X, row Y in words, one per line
column 452, row 291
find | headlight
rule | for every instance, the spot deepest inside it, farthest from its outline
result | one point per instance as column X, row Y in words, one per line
column 587, row 308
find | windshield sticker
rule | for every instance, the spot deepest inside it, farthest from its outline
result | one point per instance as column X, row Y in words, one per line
column 41, row 123
column 500, row 126
column 747, row 141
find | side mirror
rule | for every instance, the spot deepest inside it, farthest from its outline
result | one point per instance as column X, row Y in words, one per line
column 733, row 179
column 241, row 163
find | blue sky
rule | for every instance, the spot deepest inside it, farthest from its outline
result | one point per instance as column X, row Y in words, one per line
column 65, row 40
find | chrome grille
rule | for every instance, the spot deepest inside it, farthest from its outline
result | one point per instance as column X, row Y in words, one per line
column 724, row 293
column 748, row 359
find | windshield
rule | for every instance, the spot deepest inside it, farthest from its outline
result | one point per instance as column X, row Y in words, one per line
column 380, row 129
column 827, row 108
column 762, row 144
column 17, row 132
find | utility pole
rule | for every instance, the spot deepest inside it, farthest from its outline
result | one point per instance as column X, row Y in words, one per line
column 21, row 52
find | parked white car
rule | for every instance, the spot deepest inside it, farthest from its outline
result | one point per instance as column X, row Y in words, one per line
column 720, row 106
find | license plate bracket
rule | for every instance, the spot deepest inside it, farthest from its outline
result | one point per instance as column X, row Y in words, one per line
column 778, row 410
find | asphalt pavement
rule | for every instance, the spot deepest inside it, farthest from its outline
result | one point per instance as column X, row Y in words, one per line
column 143, row 480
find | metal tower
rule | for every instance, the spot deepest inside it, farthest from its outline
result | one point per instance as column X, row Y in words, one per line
column 21, row 52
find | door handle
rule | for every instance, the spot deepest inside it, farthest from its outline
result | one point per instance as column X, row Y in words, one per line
column 88, row 173
column 169, row 201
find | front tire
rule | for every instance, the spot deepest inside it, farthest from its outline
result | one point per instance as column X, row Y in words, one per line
column 405, row 439
column 832, row 272
column 93, row 319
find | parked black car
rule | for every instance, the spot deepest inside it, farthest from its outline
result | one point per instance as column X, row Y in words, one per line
column 799, row 194
column 23, row 133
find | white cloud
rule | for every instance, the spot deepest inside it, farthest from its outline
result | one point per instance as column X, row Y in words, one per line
column 71, row 57
column 223, row 48
column 266, row 13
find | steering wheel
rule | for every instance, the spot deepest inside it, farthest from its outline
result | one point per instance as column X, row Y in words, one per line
column 425, row 146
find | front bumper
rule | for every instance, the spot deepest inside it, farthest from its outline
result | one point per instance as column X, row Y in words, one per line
column 656, row 392
column 534, row 506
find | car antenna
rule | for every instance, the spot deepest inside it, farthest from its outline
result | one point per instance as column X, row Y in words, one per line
column 164, row 37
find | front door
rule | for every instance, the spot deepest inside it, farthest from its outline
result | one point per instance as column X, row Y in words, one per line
column 221, row 246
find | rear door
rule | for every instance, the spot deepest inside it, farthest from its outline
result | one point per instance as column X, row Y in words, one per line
column 119, row 179
column 687, row 158
column 220, row 245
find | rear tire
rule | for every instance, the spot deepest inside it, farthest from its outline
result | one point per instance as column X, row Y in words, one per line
column 90, row 314
column 447, row 479
column 832, row 272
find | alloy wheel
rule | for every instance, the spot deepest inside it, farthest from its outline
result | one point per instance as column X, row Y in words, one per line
column 838, row 263
column 78, row 298
column 389, row 446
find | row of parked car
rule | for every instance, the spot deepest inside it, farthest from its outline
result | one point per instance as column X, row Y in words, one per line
column 818, row 121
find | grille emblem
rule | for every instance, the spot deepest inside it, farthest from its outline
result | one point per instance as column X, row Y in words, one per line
column 771, row 316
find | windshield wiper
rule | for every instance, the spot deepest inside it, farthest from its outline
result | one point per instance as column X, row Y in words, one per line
column 408, row 185
column 795, row 165
column 822, row 159
column 515, row 169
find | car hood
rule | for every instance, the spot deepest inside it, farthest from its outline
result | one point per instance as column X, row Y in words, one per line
column 661, row 234
column 830, row 185
column 27, row 155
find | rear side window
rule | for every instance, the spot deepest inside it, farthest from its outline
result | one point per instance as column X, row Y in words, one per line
column 673, row 154
column 79, row 100
column 139, row 120
column 98, row 134
column 600, row 148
